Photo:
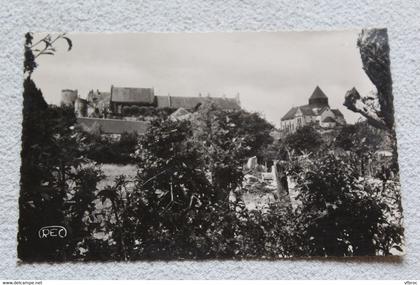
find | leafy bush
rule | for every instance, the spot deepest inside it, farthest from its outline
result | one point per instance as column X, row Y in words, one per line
column 305, row 139
column 226, row 139
column 50, row 151
column 105, row 150
column 341, row 213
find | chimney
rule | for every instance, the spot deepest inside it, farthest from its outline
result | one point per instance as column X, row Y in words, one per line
column 238, row 100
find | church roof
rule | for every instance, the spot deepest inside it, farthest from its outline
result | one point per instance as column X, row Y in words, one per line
column 132, row 95
column 317, row 94
column 305, row 109
column 290, row 115
column 337, row 112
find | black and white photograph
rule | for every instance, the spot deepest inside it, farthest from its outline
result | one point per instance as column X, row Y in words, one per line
column 195, row 146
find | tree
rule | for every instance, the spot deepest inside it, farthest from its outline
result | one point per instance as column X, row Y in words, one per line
column 362, row 140
column 340, row 214
column 305, row 139
column 49, row 153
column 374, row 51
column 34, row 50
column 378, row 108
column 171, row 183
column 79, row 205
column 254, row 129
column 105, row 150
column 275, row 151
column 227, row 139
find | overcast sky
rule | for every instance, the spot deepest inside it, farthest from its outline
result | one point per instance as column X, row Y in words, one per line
column 271, row 71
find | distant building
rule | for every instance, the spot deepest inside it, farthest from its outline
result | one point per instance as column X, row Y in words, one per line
column 109, row 112
column 316, row 111
column 127, row 97
column 81, row 107
column 68, row 97
column 100, row 104
column 189, row 103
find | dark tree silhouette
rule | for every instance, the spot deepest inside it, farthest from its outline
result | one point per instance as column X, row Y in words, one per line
column 305, row 139
column 44, row 167
column 374, row 51
column 378, row 109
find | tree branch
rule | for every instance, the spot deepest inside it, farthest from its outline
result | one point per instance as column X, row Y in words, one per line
column 353, row 101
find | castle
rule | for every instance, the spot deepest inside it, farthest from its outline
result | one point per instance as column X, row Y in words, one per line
column 317, row 111
column 113, row 110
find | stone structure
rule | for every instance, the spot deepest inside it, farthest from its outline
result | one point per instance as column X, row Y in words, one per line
column 121, row 97
column 100, row 104
column 68, row 97
column 180, row 114
column 316, row 111
column 81, row 107
column 109, row 111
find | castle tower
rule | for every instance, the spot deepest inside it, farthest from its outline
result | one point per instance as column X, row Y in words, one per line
column 80, row 107
column 68, row 97
column 318, row 98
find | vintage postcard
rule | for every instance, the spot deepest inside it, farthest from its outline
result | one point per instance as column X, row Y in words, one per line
column 169, row 146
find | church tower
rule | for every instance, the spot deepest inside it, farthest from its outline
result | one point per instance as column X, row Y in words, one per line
column 318, row 98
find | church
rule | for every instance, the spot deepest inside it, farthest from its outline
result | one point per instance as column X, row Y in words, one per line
column 317, row 111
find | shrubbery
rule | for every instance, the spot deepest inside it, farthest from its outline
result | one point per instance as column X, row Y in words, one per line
column 106, row 150
column 146, row 111
column 342, row 214
column 305, row 139
column 176, row 211
column 179, row 206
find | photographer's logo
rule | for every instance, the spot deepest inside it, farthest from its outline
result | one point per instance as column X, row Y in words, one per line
column 52, row 232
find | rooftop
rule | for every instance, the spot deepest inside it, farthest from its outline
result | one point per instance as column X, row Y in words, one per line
column 132, row 95
column 317, row 94
column 177, row 102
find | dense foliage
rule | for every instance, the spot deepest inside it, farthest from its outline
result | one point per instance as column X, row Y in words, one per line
column 146, row 111
column 226, row 140
column 106, row 150
column 341, row 213
column 51, row 158
column 304, row 140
